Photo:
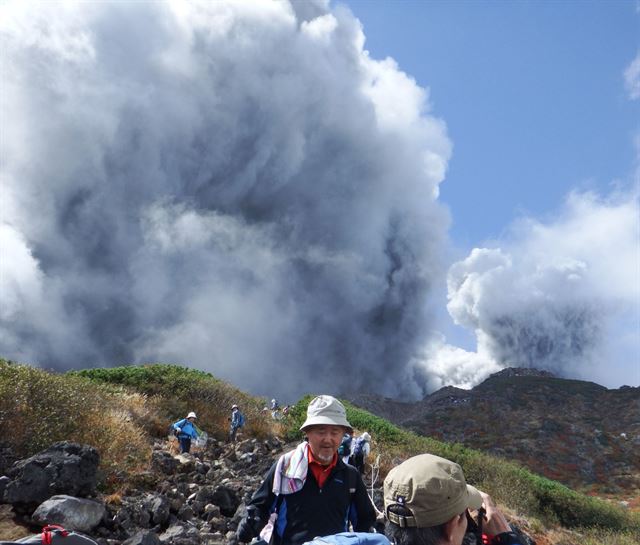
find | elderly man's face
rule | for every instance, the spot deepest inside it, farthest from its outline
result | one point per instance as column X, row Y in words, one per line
column 324, row 441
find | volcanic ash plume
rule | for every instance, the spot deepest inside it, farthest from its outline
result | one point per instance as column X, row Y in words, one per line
column 562, row 296
column 234, row 186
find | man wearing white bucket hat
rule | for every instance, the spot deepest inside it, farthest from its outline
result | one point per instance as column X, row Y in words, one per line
column 310, row 490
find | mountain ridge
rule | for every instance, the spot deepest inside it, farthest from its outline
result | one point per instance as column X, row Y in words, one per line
column 576, row 432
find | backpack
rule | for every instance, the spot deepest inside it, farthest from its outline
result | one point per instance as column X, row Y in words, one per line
column 350, row 538
column 345, row 447
column 358, row 448
column 240, row 419
column 54, row 535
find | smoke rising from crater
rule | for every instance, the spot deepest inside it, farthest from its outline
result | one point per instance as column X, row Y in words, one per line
column 233, row 186
column 561, row 295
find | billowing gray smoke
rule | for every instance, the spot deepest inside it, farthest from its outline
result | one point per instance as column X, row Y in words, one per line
column 235, row 186
column 562, row 295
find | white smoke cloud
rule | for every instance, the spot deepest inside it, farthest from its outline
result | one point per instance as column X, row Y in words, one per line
column 562, row 295
column 236, row 186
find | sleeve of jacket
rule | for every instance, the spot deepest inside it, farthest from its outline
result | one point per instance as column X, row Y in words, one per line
column 365, row 514
column 179, row 424
column 264, row 498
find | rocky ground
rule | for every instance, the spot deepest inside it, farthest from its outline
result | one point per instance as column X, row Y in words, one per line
column 193, row 499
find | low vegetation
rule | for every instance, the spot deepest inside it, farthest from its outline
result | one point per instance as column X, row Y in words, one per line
column 175, row 390
column 119, row 411
column 39, row 408
column 122, row 410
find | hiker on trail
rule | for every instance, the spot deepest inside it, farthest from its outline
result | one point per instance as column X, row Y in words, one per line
column 344, row 450
column 237, row 421
column 275, row 409
column 360, row 449
column 185, row 430
column 311, row 490
column 427, row 502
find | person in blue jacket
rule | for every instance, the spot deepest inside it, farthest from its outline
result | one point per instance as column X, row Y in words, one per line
column 185, row 431
column 237, row 421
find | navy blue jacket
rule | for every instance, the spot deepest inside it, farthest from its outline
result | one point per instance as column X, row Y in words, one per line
column 314, row 511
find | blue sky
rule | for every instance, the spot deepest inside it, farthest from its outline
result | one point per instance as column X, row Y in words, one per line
column 532, row 93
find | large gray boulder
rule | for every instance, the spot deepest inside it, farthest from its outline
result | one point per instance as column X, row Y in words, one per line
column 180, row 534
column 163, row 462
column 73, row 513
column 159, row 508
column 64, row 468
column 144, row 537
column 226, row 499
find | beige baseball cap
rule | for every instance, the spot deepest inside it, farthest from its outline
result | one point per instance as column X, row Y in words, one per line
column 433, row 489
column 326, row 410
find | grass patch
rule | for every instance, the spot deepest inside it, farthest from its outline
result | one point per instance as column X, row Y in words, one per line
column 40, row 408
column 175, row 391
column 118, row 411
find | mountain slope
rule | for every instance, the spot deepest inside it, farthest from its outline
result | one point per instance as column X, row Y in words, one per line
column 579, row 433
column 125, row 414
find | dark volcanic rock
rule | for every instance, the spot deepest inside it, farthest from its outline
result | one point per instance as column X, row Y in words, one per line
column 64, row 468
column 143, row 538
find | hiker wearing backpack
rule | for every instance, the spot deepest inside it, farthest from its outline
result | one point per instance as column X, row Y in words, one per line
column 310, row 489
column 428, row 502
column 237, row 421
column 344, row 450
column 360, row 449
column 275, row 409
column 185, row 430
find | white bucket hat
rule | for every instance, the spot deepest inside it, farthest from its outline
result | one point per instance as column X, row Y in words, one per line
column 192, row 415
column 326, row 410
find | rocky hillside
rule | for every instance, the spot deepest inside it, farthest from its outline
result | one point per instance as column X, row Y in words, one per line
column 114, row 475
column 576, row 432
column 179, row 500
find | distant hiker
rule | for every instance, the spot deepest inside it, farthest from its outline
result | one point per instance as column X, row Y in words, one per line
column 311, row 490
column 287, row 408
column 275, row 409
column 360, row 449
column 344, row 450
column 237, row 421
column 185, row 430
column 427, row 502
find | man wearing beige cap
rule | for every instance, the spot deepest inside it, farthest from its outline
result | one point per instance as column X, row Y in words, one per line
column 426, row 502
column 310, row 490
